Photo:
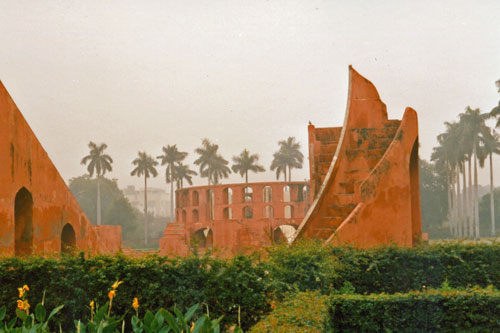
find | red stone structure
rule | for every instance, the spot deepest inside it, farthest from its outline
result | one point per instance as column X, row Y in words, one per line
column 235, row 218
column 364, row 175
column 38, row 213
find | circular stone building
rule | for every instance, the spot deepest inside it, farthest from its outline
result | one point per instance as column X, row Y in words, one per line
column 232, row 218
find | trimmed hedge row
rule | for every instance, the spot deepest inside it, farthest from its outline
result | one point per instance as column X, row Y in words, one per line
column 431, row 311
column 245, row 282
column 303, row 312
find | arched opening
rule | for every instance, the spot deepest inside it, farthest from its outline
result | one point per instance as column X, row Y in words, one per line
column 268, row 212
column 283, row 233
column 227, row 196
column 286, row 193
column 288, row 212
column 196, row 216
column 196, row 198
column 23, row 225
column 247, row 212
column 210, row 205
column 267, row 193
column 185, row 198
column 247, row 194
column 184, row 216
column 227, row 213
column 177, row 201
column 68, row 239
column 300, row 193
column 415, row 194
column 203, row 239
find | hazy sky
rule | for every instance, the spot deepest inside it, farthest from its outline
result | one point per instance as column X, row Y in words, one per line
column 139, row 75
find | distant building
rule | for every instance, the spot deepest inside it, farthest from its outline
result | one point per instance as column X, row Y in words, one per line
column 158, row 200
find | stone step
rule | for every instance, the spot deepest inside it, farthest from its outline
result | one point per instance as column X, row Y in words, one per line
column 365, row 153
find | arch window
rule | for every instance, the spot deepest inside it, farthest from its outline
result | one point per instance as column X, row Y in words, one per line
column 283, row 233
column 196, row 198
column 184, row 215
column 267, row 193
column 247, row 194
column 68, row 239
column 286, row 193
column 210, row 205
column 203, row 238
column 227, row 213
column 247, row 212
column 268, row 212
column 288, row 212
column 23, row 223
column 196, row 216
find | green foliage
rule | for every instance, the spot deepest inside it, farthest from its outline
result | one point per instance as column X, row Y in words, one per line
column 471, row 310
column 36, row 322
column 433, row 198
column 116, row 210
column 485, row 211
column 303, row 312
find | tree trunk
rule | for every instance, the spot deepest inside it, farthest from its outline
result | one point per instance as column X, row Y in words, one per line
column 492, row 202
column 464, row 206
column 450, row 203
column 145, row 211
column 289, row 174
column 470, row 213
column 246, row 177
column 98, row 200
column 476, row 199
column 453, row 207
column 284, row 173
column 171, row 194
column 458, row 204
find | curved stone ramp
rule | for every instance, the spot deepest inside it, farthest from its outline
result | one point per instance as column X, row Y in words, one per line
column 369, row 194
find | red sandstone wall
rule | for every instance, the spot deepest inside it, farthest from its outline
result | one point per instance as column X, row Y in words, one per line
column 369, row 193
column 238, row 233
column 25, row 164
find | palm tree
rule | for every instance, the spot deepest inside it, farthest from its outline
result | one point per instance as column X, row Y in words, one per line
column 182, row 171
column 99, row 163
column 290, row 155
column 246, row 162
column 212, row 165
column 171, row 156
column 280, row 164
column 145, row 165
column 474, row 130
column 490, row 146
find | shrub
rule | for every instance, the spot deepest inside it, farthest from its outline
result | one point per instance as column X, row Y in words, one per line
column 472, row 310
column 303, row 312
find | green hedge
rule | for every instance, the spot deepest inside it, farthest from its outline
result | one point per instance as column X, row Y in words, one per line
column 303, row 312
column 394, row 269
column 222, row 285
column 247, row 282
column 431, row 311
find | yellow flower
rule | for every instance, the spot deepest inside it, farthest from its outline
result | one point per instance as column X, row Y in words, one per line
column 92, row 305
column 192, row 326
column 26, row 305
column 21, row 292
column 135, row 303
column 25, row 287
column 116, row 284
column 111, row 294
column 20, row 304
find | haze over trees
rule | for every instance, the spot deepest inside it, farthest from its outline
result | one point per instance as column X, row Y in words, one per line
column 145, row 165
column 288, row 157
column 171, row 156
column 245, row 162
column 98, row 162
column 212, row 165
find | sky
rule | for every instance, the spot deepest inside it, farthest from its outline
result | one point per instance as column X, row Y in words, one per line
column 140, row 75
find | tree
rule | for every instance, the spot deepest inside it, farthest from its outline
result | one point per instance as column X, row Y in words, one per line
column 289, row 155
column 145, row 165
column 279, row 164
column 98, row 162
column 182, row 172
column 212, row 165
column 433, row 192
column 170, row 157
column 246, row 162
column 117, row 209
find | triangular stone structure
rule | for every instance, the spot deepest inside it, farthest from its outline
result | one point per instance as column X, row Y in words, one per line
column 38, row 213
column 364, row 175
